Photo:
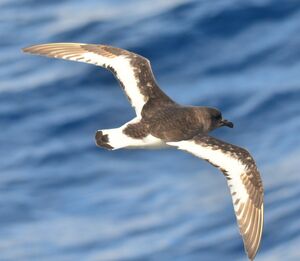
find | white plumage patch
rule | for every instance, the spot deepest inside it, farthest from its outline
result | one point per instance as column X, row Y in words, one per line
column 135, row 76
column 247, row 195
column 233, row 166
column 117, row 139
column 126, row 75
column 120, row 64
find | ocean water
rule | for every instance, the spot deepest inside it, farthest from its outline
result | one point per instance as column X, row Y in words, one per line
column 62, row 198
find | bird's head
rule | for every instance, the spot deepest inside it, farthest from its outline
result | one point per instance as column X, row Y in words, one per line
column 215, row 119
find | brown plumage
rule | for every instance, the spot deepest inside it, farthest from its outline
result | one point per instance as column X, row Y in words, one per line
column 161, row 121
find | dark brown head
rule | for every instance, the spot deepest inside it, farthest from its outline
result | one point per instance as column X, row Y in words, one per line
column 217, row 120
column 211, row 118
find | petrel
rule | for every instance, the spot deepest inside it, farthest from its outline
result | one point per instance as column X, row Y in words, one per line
column 161, row 122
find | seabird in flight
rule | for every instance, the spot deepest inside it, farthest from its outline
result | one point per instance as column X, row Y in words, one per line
column 161, row 122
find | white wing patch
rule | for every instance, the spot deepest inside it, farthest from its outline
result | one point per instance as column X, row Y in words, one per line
column 243, row 180
column 218, row 158
column 119, row 64
column 126, row 75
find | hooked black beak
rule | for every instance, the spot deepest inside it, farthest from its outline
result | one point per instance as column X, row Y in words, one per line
column 227, row 123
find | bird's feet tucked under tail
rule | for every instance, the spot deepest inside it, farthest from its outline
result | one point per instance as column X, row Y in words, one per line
column 116, row 138
column 127, row 136
column 102, row 140
column 113, row 139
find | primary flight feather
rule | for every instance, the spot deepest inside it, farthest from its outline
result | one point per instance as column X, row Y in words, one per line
column 161, row 122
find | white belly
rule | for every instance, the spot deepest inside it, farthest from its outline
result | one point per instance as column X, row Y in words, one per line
column 149, row 142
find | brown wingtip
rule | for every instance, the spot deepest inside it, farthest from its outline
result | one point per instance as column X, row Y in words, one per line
column 32, row 48
column 251, row 257
column 26, row 49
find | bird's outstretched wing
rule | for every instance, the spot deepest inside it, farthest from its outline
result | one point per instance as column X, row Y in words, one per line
column 243, row 179
column 132, row 70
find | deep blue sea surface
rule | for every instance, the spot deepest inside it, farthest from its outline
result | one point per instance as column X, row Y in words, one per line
column 64, row 199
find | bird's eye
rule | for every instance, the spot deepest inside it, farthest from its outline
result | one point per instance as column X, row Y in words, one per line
column 218, row 117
